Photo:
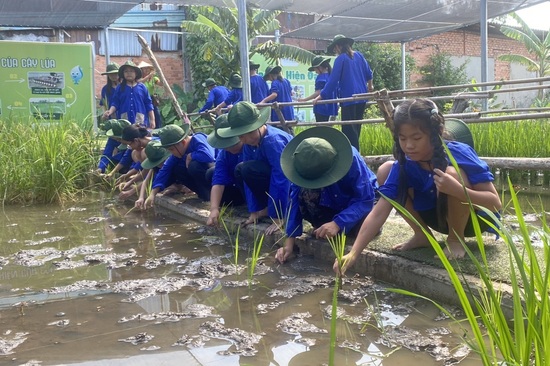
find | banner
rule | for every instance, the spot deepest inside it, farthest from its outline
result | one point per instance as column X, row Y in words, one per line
column 46, row 80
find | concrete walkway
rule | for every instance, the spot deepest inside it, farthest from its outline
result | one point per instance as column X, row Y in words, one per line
column 399, row 272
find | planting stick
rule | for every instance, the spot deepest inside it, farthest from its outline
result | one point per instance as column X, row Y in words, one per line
column 156, row 65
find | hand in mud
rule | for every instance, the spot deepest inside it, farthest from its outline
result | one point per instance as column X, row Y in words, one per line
column 347, row 261
column 328, row 230
column 275, row 227
column 286, row 252
column 149, row 202
column 255, row 216
column 140, row 204
column 213, row 217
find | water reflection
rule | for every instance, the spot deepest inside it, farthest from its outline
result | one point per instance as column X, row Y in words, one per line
column 79, row 282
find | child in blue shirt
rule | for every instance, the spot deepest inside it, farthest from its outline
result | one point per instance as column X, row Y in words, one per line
column 280, row 91
column 321, row 66
column 423, row 180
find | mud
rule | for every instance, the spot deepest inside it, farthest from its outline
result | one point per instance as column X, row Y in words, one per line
column 243, row 343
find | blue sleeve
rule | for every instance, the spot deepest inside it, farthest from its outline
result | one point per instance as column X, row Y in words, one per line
column 115, row 102
column 332, row 84
column 390, row 186
column 136, row 165
column 362, row 196
column 107, row 155
column 294, row 225
column 162, row 178
column 220, row 176
column 126, row 159
column 200, row 150
column 279, row 185
column 209, row 102
column 147, row 100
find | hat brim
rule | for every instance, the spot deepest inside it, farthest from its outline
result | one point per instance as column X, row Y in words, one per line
column 459, row 131
column 218, row 142
column 313, row 67
column 339, row 169
column 275, row 70
column 185, row 128
column 150, row 164
column 236, row 85
column 349, row 41
column 110, row 72
column 241, row 130
column 253, row 66
column 136, row 69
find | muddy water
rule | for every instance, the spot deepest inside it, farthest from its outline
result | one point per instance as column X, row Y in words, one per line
column 98, row 284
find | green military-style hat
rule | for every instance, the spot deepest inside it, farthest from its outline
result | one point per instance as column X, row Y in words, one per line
column 218, row 142
column 117, row 126
column 155, row 153
column 339, row 39
column 172, row 134
column 317, row 157
column 243, row 118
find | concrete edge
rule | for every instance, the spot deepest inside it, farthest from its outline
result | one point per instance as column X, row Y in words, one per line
column 419, row 278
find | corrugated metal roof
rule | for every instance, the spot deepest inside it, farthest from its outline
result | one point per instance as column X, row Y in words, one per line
column 63, row 13
column 363, row 20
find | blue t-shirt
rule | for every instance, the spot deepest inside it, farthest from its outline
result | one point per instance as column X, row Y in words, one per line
column 269, row 150
column 422, row 181
column 224, row 172
column 329, row 109
column 284, row 94
column 235, row 95
column 349, row 76
column 258, row 88
column 217, row 95
column 132, row 103
column 352, row 196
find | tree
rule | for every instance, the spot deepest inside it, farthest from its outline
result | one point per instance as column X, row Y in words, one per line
column 440, row 71
column 537, row 47
column 213, row 44
column 385, row 62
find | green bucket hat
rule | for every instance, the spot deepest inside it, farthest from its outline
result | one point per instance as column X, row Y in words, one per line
column 318, row 61
column 117, row 126
column 172, row 134
column 339, row 39
column 129, row 63
column 112, row 68
column 243, row 118
column 252, row 65
column 155, row 153
column 317, row 157
column 218, row 142
column 209, row 82
column 107, row 125
column 459, row 131
column 235, row 81
column 272, row 70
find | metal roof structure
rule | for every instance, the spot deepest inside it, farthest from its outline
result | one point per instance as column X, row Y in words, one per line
column 362, row 20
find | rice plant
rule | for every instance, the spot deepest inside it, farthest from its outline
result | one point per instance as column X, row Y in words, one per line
column 338, row 245
column 227, row 226
column 45, row 162
column 524, row 338
column 253, row 259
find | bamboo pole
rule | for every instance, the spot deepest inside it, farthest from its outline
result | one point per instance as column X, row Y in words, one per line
column 151, row 55
column 493, row 162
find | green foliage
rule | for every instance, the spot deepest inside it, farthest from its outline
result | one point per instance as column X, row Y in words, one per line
column 476, row 106
column 385, row 62
column 524, row 339
column 45, row 161
column 538, row 48
column 212, row 44
column 167, row 110
column 440, row 71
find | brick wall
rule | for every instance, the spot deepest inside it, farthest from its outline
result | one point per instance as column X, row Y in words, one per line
column 465, row 43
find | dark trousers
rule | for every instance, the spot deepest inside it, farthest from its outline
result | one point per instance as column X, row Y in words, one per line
column 194, row 178
column 351, row 113
column 232, row 194
column 321, row 117
column 257, row 176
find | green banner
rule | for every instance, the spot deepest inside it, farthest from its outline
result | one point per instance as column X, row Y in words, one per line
column 46, row 80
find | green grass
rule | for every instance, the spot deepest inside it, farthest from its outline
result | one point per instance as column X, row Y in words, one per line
column 507, row 139
column 45, row 161
column 524, row 338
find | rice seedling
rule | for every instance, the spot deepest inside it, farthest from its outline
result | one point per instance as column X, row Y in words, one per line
column 338, row 245
column 227, row 226
column 254, row 257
